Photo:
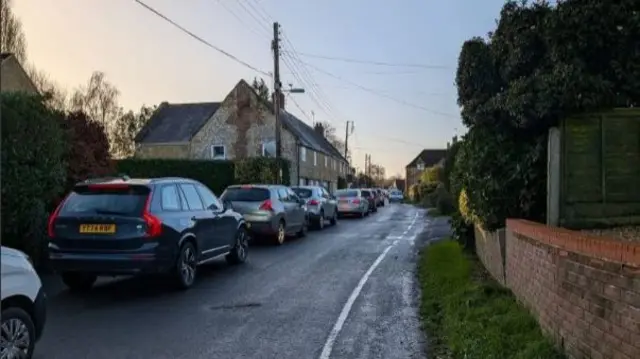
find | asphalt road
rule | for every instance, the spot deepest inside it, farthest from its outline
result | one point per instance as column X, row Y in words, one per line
column 344, row 292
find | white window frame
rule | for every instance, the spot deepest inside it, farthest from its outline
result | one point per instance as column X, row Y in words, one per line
column 262, row 146
column 315, row 158
column 213, row 152
column 303, row 154
column 420, row 166
column 326, row 161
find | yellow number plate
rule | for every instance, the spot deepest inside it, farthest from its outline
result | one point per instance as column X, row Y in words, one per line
column 97, row 228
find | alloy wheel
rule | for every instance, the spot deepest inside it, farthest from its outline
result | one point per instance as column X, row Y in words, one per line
column 14, row 339
column 281, row 233
column 242, row 245
column 188, row 265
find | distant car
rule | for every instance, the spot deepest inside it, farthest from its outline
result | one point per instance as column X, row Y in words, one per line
column 379, row 197
column 320, row 205
column 371, row 197
column 396, row 196
column 123, row 226
column 269, row 210
column 23, row 305
column 352, row 202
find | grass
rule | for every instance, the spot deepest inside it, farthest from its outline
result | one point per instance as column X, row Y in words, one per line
column 468, row 315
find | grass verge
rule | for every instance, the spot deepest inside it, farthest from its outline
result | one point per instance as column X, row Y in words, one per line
column 466, row 314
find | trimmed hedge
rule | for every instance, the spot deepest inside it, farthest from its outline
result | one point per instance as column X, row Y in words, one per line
column 217, row 175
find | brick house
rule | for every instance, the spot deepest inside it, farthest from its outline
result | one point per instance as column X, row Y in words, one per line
column 241, row 126
column 426, row 158
column 13, row 77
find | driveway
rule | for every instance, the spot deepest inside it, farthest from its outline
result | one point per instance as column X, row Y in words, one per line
column 345, row 292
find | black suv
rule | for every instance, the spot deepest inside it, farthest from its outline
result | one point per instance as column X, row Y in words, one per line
column 123, row 226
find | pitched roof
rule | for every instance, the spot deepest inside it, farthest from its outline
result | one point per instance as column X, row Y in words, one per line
column 176, row 122
column 309, row 137
column 5, row 55
column 429, row 157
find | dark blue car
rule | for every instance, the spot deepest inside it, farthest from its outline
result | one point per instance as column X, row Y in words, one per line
column 123, row 226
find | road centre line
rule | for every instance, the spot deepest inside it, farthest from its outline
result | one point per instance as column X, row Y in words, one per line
column 344, row 314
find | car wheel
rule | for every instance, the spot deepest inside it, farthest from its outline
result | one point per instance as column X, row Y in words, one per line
column 78, row 282
column 186, row 266
column 334, row 219
column 320, row 221
column 281, row 233
column 17, row 337
column 240, row 250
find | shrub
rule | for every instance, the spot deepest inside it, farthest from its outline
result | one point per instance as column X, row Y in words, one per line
column 88, row 154
column 342, row 183
column 444, row 201
column 216, row 175
column 434, row 174
column 261, row 170
column 33, row 170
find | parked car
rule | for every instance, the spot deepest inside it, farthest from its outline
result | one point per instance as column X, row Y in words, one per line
column 126, row 226
column 269, row 210
column 352, row 202
column 370, row 195
column 379, row 197
column 396, row 195
column 23, row 306
column 320, row 205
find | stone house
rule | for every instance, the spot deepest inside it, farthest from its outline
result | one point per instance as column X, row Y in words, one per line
column 241, row 126
column 13, row 77
column 426, row 158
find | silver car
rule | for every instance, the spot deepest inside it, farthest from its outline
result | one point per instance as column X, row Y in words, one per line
column 396, row 196
column 352, row 202
column 268, row 210
column 320, row 205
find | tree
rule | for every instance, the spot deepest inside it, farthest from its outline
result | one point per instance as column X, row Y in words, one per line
column 330, row 133
column 261, row 88
column 126, row 128
column 55, row 96
column 12, row 38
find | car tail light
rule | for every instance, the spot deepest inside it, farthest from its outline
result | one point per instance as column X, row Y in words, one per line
column 154, row 224
column 266, row 206
column 313, row 202
column 53, row 217
column 356, row 201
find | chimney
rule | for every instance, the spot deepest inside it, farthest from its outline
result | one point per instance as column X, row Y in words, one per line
column 281, row 102
column 319, row 128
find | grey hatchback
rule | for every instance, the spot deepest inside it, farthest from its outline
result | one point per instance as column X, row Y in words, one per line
column 268, row 210
column 320, row 204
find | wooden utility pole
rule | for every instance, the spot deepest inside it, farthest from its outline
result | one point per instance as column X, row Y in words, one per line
column 277, row 94
column 346, row 140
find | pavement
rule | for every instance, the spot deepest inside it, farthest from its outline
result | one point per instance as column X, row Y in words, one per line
column 347, row 291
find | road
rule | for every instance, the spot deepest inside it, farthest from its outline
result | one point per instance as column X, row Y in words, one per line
column 345, row 292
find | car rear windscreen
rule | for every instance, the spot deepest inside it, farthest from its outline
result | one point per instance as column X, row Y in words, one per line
column 396, row 193
column 128, row 202
column 239, row 194
column 303, row 192
column 366, row 193
column 342, row 194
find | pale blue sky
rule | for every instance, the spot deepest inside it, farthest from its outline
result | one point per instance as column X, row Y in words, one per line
column 151, row 61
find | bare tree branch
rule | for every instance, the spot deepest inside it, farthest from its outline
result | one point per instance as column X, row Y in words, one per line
column 12, row 38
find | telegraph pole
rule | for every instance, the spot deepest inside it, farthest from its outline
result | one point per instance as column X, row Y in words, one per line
column 346, row 141
column 277, row 93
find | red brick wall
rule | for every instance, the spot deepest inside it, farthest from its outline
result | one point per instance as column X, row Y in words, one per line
column 584, row 290
column 489, row 250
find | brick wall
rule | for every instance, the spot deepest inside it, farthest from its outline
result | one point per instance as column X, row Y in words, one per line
column 584, row 290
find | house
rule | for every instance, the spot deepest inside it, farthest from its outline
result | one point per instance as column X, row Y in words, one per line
column 400, row 184
column 426, row 158
column 13, row 77
column 241, row 126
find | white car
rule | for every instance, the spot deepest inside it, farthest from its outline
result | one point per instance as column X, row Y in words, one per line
column 23, row 306
column 395, row 196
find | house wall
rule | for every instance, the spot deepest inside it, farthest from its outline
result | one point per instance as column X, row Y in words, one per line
column 167, row 151
column 412, row 176
column 583, row 290
column 13, row 78
column 321, row 171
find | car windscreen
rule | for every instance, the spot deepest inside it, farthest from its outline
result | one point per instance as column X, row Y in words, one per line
column 124, row 201
column 344, row 194
column 396, row 193
column 303, row 192
column 366, row 193
column 248, row 194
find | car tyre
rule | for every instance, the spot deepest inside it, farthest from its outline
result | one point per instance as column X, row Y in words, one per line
column 78, row 282
column 281, row 233
column 18, row 331
column 334, row 218
column 320, row 221
column 240, row 250
column 186, row 266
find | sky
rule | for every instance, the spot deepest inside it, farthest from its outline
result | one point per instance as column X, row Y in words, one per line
column 397, row 110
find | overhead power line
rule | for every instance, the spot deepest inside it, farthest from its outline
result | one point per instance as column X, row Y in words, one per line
column 225, row 53
column 381, row 94
column 372, row 62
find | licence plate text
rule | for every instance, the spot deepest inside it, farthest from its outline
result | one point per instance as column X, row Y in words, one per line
column 97, row 228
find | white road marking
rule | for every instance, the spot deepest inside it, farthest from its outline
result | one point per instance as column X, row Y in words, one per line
column 344, row 314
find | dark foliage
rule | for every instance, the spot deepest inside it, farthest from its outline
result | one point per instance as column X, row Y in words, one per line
column 261, row 170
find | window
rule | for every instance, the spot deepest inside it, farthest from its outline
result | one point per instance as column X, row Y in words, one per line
column 209, row 199
column 326, row 161
column 420, row 166
column 293, row 197
column 283, row 195
column 170, row 201
column 315, row 158
column 193, row 199
column 218, row 152
column 303, row 192
column 245, row 194
column 126, row 201
column 302, row 181
column 303, row 154
column 269, row 149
